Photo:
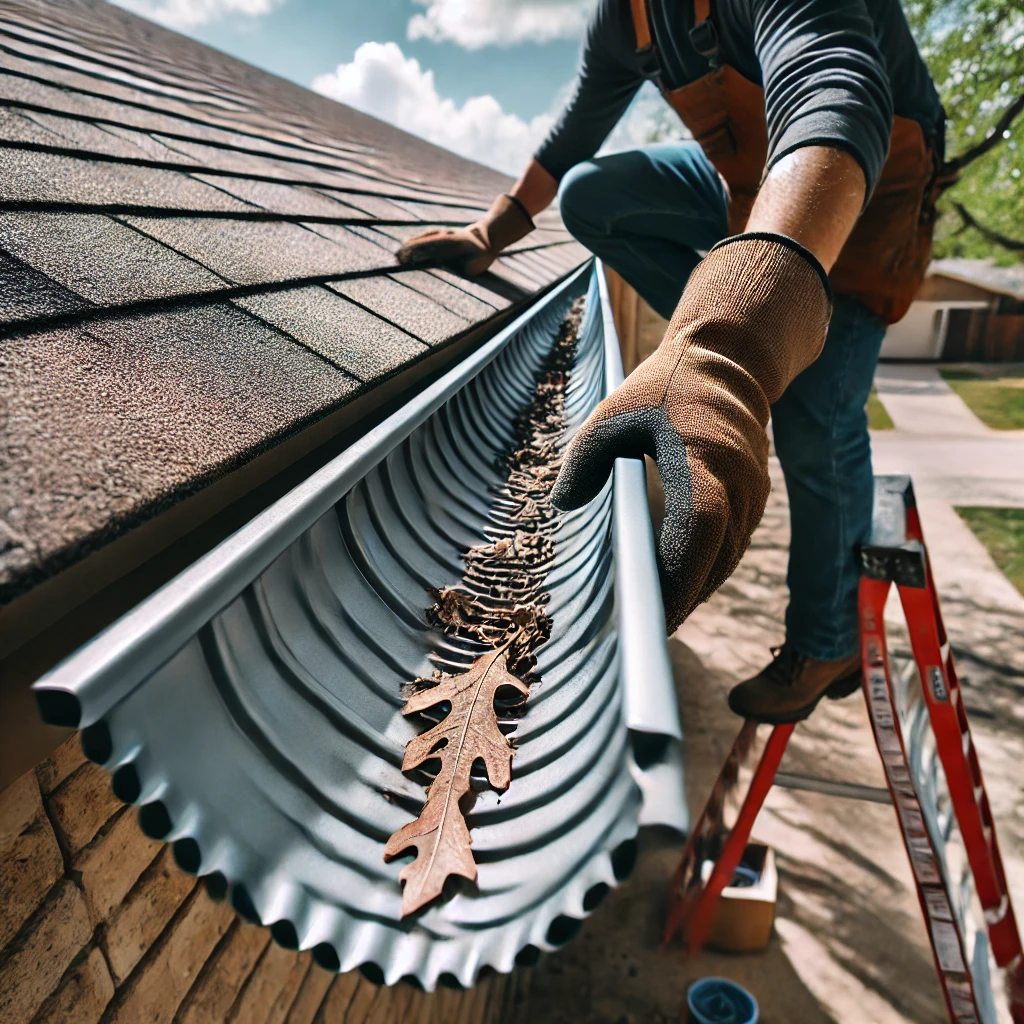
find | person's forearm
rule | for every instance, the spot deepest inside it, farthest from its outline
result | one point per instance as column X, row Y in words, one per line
column 814, row 195
column 536, row 189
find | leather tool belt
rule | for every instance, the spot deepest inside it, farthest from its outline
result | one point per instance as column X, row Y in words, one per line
column 888, row 251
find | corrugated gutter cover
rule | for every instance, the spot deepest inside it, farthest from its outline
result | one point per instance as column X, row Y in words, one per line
column 252, row 707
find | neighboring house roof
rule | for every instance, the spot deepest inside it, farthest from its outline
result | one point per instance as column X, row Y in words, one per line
column 985, row 274
column 196, row 262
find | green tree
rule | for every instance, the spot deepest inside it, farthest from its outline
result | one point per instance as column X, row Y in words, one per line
column 975, row 50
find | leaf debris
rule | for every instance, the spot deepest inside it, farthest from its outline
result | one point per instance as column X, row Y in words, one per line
column 498, row 604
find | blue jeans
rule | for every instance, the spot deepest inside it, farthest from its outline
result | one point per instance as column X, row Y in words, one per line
column 650, row 214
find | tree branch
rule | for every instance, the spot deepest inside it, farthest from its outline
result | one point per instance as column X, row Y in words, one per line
column 958, row 163
column 1013, row 244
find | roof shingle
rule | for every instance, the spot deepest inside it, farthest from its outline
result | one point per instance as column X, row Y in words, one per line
column 108, row 425
column 346, row 334
column 101, row 259
column 405, row 307
column 196, row 261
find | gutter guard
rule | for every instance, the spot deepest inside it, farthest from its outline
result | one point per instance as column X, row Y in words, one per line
column 252, row 706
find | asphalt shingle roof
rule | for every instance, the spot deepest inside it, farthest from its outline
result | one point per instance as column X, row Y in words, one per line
column 196, row 262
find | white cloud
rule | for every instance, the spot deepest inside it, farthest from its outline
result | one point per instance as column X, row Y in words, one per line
column 184, row 14
column 477, row 23
column 383, row 82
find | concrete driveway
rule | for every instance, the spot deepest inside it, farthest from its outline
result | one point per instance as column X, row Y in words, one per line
column 950, row 453
column 953, row 459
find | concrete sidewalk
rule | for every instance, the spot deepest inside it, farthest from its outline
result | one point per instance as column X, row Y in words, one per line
column 919, row 401
column 850, row 945
column 848, row 922
column 951, row 455
column 955, row 459
column 959, row 470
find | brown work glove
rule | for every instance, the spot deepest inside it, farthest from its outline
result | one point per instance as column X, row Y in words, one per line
column 753, row 315
column 471, row 250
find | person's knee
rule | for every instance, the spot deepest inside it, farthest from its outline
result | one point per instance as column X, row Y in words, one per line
column 580, row 199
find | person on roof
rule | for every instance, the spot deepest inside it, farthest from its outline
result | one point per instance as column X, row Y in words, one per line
column 779, row 243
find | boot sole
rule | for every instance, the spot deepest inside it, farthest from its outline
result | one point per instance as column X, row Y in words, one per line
column 844, row 686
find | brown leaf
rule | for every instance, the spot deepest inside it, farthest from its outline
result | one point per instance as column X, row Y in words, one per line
column 440, row 835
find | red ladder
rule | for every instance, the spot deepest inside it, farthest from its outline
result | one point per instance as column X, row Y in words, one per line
column 895, row 554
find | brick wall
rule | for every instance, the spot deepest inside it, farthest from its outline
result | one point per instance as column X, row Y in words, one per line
column 98, row 926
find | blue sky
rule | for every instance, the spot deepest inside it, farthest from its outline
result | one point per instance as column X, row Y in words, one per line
column 482, row 77
column 303, row 38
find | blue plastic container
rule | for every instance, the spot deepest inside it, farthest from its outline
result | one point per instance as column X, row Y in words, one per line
column 720, row 1001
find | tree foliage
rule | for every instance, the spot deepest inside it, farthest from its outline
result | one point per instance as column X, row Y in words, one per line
column 975, row 50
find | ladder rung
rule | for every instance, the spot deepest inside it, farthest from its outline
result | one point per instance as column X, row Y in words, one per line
column 833, row 787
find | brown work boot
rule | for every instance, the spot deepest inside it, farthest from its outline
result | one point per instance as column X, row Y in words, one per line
column 789, row 689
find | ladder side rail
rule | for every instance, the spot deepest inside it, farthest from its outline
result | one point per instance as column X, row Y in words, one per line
column 941, row 921
column 731, row 764
column 959, row 758
column 732, row 851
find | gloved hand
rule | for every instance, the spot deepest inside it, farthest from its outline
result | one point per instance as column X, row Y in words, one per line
column 471, row 250
column 754, row 314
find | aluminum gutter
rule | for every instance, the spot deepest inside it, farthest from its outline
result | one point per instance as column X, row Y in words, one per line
column 652, row 711
column 252, row 706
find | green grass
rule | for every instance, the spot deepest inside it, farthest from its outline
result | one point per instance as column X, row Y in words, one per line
column 994, row 393
column 878, row 418
column 1001, row 530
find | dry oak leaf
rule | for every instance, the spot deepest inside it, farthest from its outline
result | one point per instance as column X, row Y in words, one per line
column 470, row 730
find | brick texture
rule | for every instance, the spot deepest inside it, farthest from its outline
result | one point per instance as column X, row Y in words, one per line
column 362, row 1001
column 473, row 1004
column 83, row 994
column 33, row 965
column 397, row 1004
column 118, row 334
column 339, row 996
column 227, row 970
column 112, row 863
column 67, row 758
column 432, row 1009
column 311, row 994
column 428, row 1009
column 263, row 986
column 109, row 931
column 166, row 952
column 137, row 923
column 154, row 992
column 300, row 965
column 30, row 859
column 80, row 806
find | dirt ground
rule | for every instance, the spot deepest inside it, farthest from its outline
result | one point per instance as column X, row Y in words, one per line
column 849, row 945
